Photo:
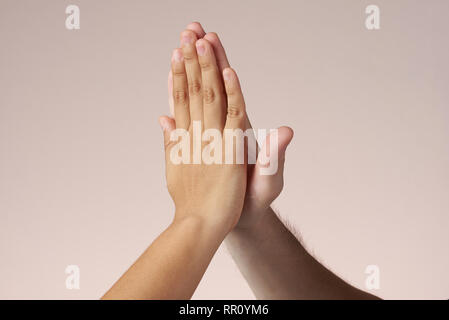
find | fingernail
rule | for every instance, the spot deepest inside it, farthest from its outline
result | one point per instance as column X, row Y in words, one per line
column 186, row 39
column 163, row 124
column 177, row 55
column 200, row 48
column 227, row 74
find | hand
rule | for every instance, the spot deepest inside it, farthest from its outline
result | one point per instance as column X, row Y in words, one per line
column 262, row 190
column 208, row 197
column 213, row 192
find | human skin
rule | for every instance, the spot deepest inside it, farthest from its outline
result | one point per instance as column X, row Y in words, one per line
column 270, row 257
column 208, row 198
column 262, row 189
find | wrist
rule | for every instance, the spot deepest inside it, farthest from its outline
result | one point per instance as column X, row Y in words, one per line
column 252, row 218
column 204, row 221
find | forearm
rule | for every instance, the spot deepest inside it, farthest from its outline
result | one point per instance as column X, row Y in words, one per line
column 173, row 265
column 277, row 266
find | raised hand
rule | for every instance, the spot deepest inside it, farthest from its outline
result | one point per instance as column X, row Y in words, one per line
column 202, row 100
column 208, row 195
column 262, row 190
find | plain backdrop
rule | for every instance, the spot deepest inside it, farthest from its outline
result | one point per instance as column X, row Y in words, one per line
column 81, row 154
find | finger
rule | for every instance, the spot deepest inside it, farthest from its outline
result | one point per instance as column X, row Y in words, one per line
column 171, row 103
column 197, row 28
column 268, row 179
column 199, row 31
column 193, row 70
column 284, row 137
column 222, row 59
column 214, row 111
column 180, row 91
column 168, row 125
column 236, row 116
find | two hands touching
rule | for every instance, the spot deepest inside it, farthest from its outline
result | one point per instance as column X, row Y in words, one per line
column 212, row 93
column 221, row 201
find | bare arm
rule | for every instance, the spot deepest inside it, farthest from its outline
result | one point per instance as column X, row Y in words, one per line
column 208, row 196
column 272, row 260
column 173, row 265
column 277, row 266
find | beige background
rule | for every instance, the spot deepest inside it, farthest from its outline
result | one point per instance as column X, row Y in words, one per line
column 81, row 164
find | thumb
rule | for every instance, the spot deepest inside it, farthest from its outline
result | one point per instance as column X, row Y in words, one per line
column 268, row 187
column 285, row 135
column 168, row 125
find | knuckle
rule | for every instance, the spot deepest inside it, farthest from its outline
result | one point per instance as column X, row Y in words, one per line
column 234, row 111
column 178, row 72
column 231, row 92
column 194, row 87
column 209, row 95
column 205, row 65
column 180, row 96
column 168, row 144
column 189, row 57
